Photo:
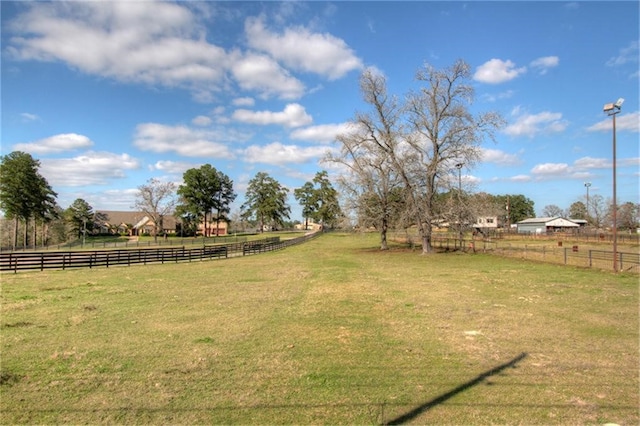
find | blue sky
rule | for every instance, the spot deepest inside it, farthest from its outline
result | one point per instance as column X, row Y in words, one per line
column 109, row 94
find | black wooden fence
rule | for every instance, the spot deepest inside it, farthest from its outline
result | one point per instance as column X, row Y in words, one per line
column 24, row 261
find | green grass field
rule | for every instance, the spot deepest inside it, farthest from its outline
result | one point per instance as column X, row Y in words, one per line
column 329, row 332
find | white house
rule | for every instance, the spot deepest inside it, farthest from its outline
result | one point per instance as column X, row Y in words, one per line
column 542, row 225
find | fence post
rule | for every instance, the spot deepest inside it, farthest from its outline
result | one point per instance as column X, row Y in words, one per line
column 590, row 260
column 565, row 256
column 621, row 262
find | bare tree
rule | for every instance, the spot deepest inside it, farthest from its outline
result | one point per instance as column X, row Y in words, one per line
column 369, row 151
column 597, row 210
column 443, row 133
column 578, row 210
column 552, row 210
column 156, row 199
column 628, row 214
column 421, row 140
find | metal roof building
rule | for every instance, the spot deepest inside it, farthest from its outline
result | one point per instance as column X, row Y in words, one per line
column 542, row 225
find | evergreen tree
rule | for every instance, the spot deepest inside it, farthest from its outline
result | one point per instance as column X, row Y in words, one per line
column 266, row 201
column 305, row 196
column 24, row 193
column 80, row 218
column 205, row 189
column 326, row 199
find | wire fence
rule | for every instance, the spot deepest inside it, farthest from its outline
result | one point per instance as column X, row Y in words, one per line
column 570, row 255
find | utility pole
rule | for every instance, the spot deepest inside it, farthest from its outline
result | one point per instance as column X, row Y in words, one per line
column 508, row 214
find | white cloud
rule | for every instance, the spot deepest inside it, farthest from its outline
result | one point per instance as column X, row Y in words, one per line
column 592, row 163
column 148, row 42
column 624, row 122
column 91, row 168
column 497, row 71
column 532, row 124
column 293, row 115
column 324, row 133
column 201, row 120
column 165, row 43
column 279, row 154
column 303, row 50
column 246, row 102
column 499, row 96
column 172, row 167
column 182, row 140
column 542, row 65
column 28, row 117
column 55, row 144
column 626, row 55
column 262, row 74
column 520, row 178
column 580, row 169
column 551, row 170
column 497, row 156
column 630, row 162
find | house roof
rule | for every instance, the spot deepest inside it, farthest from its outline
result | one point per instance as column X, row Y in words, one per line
column 120, row 217
column 557, row 221
column 135, row 219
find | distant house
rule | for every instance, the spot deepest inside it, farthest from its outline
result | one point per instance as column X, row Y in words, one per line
column 487, row 223
column 543, row 225
column 132, row 223
column 214, row 228
column 311, row 226
column 581, row 222
column 139, row 223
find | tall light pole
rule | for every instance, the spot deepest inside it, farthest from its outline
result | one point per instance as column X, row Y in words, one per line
column 459, row 167
column 612, row 109
column 587, row 185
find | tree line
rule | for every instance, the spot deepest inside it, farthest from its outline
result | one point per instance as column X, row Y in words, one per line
column 398, row 155
column 204, row 198
column 399, row 158
column 598, row 212
column 398, row 162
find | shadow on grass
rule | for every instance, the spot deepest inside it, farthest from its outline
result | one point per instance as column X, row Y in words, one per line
column 463, row 387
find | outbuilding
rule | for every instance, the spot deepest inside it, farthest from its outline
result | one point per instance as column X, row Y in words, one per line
column 543, row 225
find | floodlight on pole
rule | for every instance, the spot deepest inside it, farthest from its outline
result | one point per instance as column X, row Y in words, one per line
column 612, row 109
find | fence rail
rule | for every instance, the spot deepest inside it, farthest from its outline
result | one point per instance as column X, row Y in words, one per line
column 573, row 256
column 24, row 261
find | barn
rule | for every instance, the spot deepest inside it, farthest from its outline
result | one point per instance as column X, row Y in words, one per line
column 543, row 225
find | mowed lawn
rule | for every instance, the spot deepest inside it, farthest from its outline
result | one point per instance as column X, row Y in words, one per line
column 330, row 332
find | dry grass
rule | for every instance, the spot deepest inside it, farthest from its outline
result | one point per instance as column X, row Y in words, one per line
column 333, row 331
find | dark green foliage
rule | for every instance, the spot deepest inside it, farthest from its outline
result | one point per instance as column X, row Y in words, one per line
column 24, row 193
column 80, row 217
column 520, row 207
column 206, row 193
column 266, row 201
column 319, row 200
